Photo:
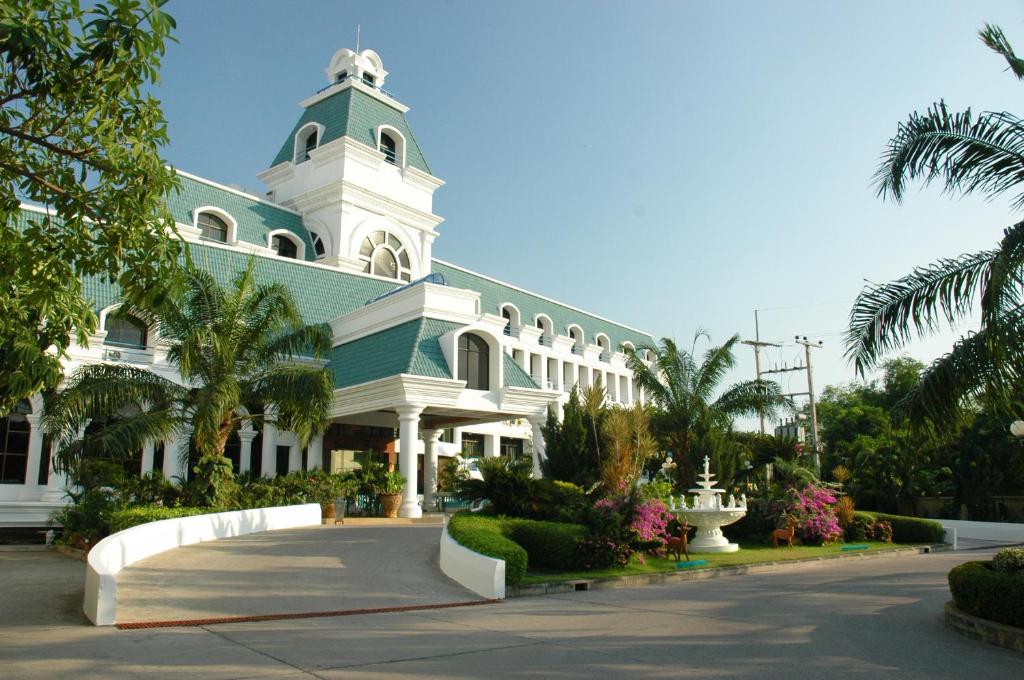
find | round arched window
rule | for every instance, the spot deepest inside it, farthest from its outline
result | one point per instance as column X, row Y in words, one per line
column 384, row 255
column 284, row 247
column 212, row 227
column 125, row 332
column 474, row 361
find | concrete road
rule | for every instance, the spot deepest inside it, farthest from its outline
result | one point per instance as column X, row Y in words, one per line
column 290, row 571
column 858, row 619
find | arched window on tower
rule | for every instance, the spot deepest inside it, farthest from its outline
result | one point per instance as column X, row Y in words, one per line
column 310, row 143
column 389, row 148
column 474, row 361
column 384, row 255
column 318, row 245
column 507, row 316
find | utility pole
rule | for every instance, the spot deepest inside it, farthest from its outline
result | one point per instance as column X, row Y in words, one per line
column 810, row 391
column 757, row 345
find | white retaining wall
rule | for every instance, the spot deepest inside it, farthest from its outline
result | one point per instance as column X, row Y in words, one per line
column 117, row 551
column 998, row 532
column 484, row 575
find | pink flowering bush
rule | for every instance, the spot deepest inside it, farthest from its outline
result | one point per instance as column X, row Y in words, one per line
column 813, row 508
column 650, row 522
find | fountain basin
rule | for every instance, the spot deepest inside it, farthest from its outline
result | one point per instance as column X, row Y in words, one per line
column 709, row 523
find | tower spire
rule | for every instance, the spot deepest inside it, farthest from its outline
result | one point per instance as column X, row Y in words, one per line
column 359, row 28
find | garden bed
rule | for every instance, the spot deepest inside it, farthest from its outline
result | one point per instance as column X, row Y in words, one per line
column 747, row 555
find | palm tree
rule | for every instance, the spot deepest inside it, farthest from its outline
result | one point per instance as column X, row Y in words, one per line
column 983, row 154
column 243, row 344
column 684, row 390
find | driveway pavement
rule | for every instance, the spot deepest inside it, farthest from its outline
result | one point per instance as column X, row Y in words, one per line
column 311, row 569
column 851, row 618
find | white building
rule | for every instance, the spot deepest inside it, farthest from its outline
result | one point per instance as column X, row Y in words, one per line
column 428, row 348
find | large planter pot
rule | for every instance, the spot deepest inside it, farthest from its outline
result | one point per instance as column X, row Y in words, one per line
column 327, row 510
column 389, row 504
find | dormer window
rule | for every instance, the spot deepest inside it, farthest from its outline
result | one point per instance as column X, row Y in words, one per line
column 311, row 141
column 369, row 79
column 384, row 255
column 284, row 247
column 212, row 227
column 342, row 75
column 389, row 148
column 125, row 332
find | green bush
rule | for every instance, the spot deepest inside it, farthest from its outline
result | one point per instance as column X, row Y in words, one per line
column 907, row 529
column 1009, row 560
column 981, row 591
column 131, row 517
column 549, row 545
column 484, row 535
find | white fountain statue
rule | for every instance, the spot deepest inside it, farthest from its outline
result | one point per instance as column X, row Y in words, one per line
column 709, row 514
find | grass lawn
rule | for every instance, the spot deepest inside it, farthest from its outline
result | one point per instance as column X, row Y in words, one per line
column 749, row 553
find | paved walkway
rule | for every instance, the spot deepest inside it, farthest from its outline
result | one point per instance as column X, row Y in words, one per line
column 291, row 571
column 856, row 619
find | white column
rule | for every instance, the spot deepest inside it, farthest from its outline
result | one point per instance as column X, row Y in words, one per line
column 269, row 468
column 457, row 439
column 491, row 448
column 315, row 453
column 629, row 388
column 294, row 458
column 543, row 371
column 147, row 457
column 524, row 361
column 35, row 449
column 430, row 438
column 176, row 455
column 538, row 444
column 245, row 438
column 409, row 425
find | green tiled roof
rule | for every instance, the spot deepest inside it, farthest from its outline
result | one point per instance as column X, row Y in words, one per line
column 256, row 219
column 411, row 347
column 353, row 113
column 515, row 376
column 493, row 293
column 322, row 294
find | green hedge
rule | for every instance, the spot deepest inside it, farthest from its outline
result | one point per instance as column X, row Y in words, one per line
column 484, row 536
column 131, row 517
column 907, row 529
column 981, row 591
column 520, row 542
column 550, row 545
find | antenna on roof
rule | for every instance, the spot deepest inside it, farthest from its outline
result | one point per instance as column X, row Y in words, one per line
column 359, row 28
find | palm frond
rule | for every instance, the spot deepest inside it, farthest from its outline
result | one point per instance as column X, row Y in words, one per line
column 718, row 361
column 886, row 316
column 996, row 41
column 752, row 397
column 984, row 154
column 300, row 395
column 1004, row 284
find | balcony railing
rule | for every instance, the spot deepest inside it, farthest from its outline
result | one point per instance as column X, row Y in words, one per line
column 361, row 80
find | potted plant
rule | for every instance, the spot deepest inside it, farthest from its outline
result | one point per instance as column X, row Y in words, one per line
column 390, row 492
column 348, row 488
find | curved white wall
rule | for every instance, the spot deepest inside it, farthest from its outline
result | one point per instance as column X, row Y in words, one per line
column 484, row 575
column 117, row 551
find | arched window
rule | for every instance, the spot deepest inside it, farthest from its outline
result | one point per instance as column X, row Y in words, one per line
column 125, row 332
column 606, row 346
column 318, row 245
column 384, row 255
column 212, row 227
column 284, row 246
column 14, row 434
column 310, row 143
column 507, row 316
column 547, row 334
column 474, row 362
column 576, row 333
column 389, row 148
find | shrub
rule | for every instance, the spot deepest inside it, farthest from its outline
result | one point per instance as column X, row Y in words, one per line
column 980, row 590
column 131, row 517
column 844, row 510
column 1009, row 560
column 602, row 552
column 813, row 509
column 513, row 491
column 908, row 529
column 650, row 524
column 866, row 529
column 548, row 545
column 483, row 535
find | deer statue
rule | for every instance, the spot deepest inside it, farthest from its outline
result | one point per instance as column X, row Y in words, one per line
column 679, row 544
column 784, row 534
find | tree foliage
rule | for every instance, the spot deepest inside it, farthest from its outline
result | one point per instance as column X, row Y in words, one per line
column 968, row 154
column 239, row 345
column 80, row 134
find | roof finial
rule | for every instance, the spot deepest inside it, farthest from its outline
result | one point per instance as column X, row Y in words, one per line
column 359, row 28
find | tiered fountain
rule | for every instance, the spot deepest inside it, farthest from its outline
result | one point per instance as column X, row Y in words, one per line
column 709, row 514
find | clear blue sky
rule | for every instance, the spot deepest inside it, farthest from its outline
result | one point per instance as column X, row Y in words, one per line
column 671, row 165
